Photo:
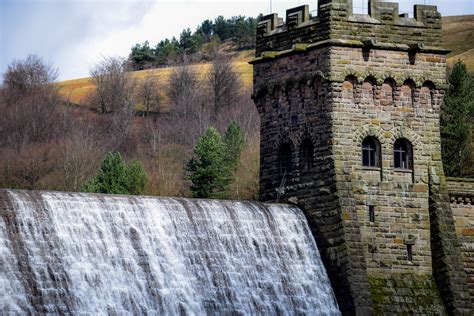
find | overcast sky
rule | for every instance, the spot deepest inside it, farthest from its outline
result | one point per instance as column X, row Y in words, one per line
column 72, row 35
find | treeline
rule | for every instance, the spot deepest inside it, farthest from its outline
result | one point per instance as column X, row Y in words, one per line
column 239, row 30
column 154, row 127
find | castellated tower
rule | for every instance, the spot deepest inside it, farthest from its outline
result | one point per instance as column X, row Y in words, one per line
column 349, row 107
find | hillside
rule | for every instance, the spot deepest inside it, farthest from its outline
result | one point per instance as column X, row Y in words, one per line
column 458, row 36
column 77, row 90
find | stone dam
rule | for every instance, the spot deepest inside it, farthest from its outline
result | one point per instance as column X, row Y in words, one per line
column 73, row 253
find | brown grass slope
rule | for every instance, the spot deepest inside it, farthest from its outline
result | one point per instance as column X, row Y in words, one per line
column 458, row 36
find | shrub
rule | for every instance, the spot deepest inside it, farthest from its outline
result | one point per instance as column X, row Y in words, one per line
column 117, row 177
column 207, row 169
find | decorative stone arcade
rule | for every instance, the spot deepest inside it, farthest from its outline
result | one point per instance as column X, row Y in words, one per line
column 349, row 107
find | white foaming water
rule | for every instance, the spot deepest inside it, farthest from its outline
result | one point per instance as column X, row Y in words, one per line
column 98, row 254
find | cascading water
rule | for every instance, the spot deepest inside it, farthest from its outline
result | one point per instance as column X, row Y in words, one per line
column 101, row 254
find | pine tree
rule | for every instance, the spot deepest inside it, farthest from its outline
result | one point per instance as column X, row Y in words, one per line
column 457, row 120
column 234, row 141
column 207, row 169
column 117, row 177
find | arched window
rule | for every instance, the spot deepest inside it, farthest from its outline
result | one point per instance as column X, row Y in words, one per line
column 426, row 94
column 368, row 90
column 306, row 154
column 407, row 93
column 285, row 160
column 317, row 85
column 348, row 87
column 403, row 154
column 371, row 152
column 387, row 92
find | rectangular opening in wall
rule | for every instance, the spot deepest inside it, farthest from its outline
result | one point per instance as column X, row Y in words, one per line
column 410, row 253
column 371, row 213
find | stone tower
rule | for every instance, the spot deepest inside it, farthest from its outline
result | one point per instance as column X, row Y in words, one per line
column 349, row 107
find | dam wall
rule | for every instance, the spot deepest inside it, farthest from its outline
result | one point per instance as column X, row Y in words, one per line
column 107, row 254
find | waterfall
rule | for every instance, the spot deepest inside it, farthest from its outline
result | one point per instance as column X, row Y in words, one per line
column 107, row 254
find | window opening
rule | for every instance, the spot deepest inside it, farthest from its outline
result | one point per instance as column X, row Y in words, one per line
column 307, row 152
column 371, row 213
column 410, row 252
column 370, row 152
column 284, row 161
column 402, row 154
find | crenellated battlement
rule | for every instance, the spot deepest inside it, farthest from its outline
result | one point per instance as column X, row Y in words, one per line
column 383, row 26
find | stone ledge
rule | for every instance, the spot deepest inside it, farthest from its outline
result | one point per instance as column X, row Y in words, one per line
column 461, row 190
column 303, row 47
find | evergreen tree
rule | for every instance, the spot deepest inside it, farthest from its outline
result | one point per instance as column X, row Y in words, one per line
column 117, row 177
column 221, row 28
column 167, row 50
column 206, row 28
column 207, row 170
column 190, row 42
column 142, row 56
column 234, row 142
column 457, row 121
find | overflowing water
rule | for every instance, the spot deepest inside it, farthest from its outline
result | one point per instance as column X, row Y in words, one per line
column 97, row 254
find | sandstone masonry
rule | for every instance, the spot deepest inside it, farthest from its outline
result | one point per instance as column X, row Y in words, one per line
column 325, row 87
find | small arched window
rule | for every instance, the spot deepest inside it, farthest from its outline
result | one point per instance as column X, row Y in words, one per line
column 306, row 154
column 403, row 154
column 317, row 85
column 348, row 88
column 368, row 90
column 371, row 152
column 387, row 93
column 407, row 93
column 426, row 94
column 285, row 164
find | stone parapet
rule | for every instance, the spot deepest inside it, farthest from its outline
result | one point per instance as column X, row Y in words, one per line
column 336, row 21
column 461, row 191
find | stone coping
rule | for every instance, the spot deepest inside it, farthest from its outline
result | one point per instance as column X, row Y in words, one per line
column 461, row 190
column 370, row 44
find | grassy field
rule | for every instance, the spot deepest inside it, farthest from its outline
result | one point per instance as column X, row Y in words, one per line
column 78, row 90
column 458, row 34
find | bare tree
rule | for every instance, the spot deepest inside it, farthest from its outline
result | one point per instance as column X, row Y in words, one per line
column 115, row 94
column 149, row 95
column 114, row 87
column 188, row 112
column 26, row 76
column 78, row 156
column 224, row 83
column 184, row 89
column 29, row 103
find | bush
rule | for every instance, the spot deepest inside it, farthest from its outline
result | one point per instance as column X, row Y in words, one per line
column 207, row 170
column 117, row 177
column 234, row 143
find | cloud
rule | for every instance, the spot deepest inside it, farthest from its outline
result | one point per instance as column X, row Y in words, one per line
column 59, row 31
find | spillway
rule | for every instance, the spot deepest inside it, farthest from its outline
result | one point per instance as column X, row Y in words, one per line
column 108, row 254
